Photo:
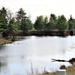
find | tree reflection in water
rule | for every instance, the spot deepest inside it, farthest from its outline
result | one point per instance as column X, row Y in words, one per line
column 3, row 64
column 2, row 47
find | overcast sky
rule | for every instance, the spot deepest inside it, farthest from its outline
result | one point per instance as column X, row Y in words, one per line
column 41, row 7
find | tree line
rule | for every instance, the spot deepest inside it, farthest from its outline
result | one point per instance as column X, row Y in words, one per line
column 59, row 23
column 21, row 22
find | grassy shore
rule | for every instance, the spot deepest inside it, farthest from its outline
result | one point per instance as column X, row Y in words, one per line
column 69, row 71
column 4, row 41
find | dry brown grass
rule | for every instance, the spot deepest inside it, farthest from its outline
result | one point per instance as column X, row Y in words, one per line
column 69, row 71
column 4, row 41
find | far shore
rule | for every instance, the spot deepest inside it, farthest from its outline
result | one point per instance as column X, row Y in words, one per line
column 40, row 33
column 7, row 38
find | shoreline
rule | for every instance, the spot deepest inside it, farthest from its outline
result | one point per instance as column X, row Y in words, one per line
column 70, row 70
column 4, row 41
column 41, row 33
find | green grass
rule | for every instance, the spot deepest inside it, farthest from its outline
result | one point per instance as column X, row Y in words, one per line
column 2, row 43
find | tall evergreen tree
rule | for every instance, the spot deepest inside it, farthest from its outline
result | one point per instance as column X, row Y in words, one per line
column 52, row 22
column 20, row 15
column 26, row 24
column 45, row 23
column 71, row 23
column 12, row 26
column 39, row 23
column 62, row 23
column 3, row 19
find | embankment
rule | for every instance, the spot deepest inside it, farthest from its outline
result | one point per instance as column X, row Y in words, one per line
column 41, row 33
column 4, row 41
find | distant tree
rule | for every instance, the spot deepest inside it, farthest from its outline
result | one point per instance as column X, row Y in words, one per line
column 12, row 27
column 71, row 23
column 53, row 16
column 39, row 23
column 26, row 24
column 48, row 26
column 20, row 15
column 45, row 23
column 62, row 23
column 53, row 22
column 3, row 19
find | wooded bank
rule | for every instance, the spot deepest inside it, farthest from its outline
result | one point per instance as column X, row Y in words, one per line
column 41, row 33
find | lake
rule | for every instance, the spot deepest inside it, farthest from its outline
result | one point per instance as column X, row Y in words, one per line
column 33, row 54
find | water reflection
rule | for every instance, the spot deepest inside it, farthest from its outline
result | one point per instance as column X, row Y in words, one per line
column 35, row 52
column 2, row 47
column 3, row 66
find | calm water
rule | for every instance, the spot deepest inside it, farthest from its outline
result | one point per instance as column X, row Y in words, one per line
column 34, row 54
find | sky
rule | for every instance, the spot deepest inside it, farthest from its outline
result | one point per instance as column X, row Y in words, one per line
column 35, row 8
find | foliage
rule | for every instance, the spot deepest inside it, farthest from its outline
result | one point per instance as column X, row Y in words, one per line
column 26, row 24
column 20, row 15
column 52, row 22
column 45, row 23
column 71, row 23
column 12, row 27
column 39, row 23
column 21, row 22
column 3, row 19
column 62, row 23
